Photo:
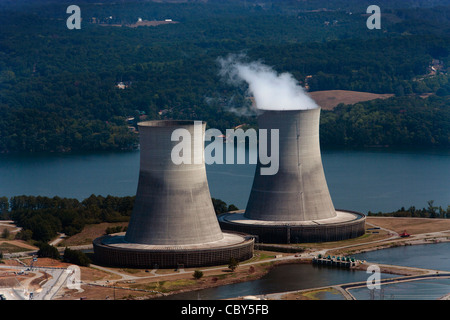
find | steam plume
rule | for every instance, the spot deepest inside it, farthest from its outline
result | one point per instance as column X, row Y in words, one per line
column 270, row 90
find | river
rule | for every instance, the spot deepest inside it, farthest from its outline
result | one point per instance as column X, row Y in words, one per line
column 293, row 277
column 429, row 256
column 360, row 180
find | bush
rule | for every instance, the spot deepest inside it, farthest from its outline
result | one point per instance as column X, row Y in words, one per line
column 5, row 233
column 198, row 274
column 115, row 229
column 24, row 234
column 48, row 251
column 76, row 257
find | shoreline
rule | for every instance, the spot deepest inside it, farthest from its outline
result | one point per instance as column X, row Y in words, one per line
column 391, row 269
column 242, row 279
column 252, row 269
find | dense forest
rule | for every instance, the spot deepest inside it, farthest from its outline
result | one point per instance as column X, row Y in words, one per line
column 398, row 121
column 67, row 90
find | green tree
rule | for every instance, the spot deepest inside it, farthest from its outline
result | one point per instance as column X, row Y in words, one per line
column 76, row 257
column 233, row 264
column 431, row 209
column 48, row 251
column 24, row 234
column 219, row 206
column 5, row 233
column 4, row 208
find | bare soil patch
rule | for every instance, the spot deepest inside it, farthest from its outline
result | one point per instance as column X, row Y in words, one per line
column 149, row 23
column 89, row 233
column 411, row 225
column 329, row 99
column 308, row 294
column 143, row 23
column 10, row 246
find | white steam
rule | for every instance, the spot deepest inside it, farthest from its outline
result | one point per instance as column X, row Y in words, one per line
column 270, row 90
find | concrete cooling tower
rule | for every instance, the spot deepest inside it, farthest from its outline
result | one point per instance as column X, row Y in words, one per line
column 173, row 221
column 294, row 205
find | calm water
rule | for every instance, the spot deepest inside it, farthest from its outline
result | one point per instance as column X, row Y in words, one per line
column 430, row 289
column 282, row 278
column 305, row 276
column 362, row 180
column 428, row 256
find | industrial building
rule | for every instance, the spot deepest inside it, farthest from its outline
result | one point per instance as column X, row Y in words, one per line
column 173, row 222
column 294, row 205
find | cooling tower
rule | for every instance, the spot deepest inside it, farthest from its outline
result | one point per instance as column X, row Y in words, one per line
column 173, row 220
column 293, row 205
column 298, row 191
column 173, row 204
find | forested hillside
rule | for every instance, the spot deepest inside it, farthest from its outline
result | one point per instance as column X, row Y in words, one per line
column 72, row 90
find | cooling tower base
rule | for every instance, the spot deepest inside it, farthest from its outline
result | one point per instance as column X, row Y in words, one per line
column 346, row 225
column 115, row 251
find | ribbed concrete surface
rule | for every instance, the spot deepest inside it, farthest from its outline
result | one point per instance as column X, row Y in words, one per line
column 114, row 251
column 299, row 191
column 346, row 225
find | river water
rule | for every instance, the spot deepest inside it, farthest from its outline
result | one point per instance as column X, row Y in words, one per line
column 282, row 278
column 360, row 180
column 428, row 256
column 304, row 276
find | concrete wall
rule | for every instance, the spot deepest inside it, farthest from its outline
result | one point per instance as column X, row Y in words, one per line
column 135, row 258
column 299, row 190
column 300, row 233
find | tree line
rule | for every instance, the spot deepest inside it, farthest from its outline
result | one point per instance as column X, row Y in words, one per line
column 431, row 211
column 42, row 218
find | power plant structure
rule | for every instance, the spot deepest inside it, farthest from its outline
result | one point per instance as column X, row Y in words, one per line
column 173, row 222
column 294, row 205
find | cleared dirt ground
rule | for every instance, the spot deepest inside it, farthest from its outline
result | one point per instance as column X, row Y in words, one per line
column 411, row 225
column 89, row 233
column 329, row 99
